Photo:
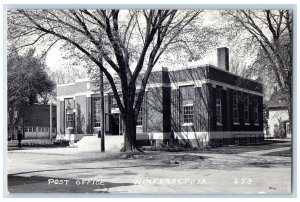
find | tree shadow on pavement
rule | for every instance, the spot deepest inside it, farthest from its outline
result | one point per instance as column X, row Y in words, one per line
column 39, row 184
column 150, row 166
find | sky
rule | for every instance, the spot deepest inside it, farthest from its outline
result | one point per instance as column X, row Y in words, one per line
column 210, row 18
column 55, row 61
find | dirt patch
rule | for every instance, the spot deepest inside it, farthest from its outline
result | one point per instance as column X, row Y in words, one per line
column 188, row 157
column 163, row 156
column 166, row 159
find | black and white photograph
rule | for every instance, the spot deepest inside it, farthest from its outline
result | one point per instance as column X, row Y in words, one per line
column 149, row 100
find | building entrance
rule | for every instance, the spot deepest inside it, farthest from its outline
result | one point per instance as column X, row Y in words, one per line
column 115, row 124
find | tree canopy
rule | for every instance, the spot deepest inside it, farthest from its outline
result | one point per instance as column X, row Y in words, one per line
column 272, row 33
column 28, row 82
column 123, row 43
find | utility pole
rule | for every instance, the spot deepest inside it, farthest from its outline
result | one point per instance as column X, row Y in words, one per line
column 50, row 132
column 102, row 111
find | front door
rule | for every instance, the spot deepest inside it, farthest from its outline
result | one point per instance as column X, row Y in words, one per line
column 115, row 124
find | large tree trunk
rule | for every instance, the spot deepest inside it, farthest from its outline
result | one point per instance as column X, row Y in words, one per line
column 130, row 132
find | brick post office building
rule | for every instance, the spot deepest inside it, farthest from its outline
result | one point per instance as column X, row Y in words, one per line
column 193, row 106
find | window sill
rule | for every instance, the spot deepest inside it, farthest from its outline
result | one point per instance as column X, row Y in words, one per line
column 187, row 124
column 256, row 124
column 235, row 123
column 115, row 110
column 247, row 124
column 219, row 124
column 139, row 126
column 188, row 105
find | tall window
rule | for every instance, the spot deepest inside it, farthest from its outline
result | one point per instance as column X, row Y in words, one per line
column 219, row 111
column 33, row 129
column 235, row 108
column 255, row 111
column 70, row 119
column 140, row 118
column 246, row 109
column 97, row 111
column 114, row 103
column 70, row 105
column 26, row 129
column 187, row 95
column 30, row 129
column 288, row 128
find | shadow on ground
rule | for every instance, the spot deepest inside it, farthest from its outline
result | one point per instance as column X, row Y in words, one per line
column 38, row 184
column 235, row 149
column 285, row 153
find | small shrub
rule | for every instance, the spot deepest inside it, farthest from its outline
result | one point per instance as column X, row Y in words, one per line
column 64, row 143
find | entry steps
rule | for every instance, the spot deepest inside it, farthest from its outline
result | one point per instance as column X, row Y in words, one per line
column 93, row 143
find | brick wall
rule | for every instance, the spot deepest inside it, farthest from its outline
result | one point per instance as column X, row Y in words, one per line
column 39, row 115
column 60, row 116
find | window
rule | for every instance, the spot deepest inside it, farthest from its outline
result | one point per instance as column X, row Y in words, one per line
column 97, row 111
column 30, row 129
column 26, row 129
column 70, row 105
column 114, row 103
column 246, row 109
column 219, row 111
column 53, row 130
column 235, row 109
column 140, row 118
column 255, row 111
column 42, row 129
column 288, row 128
column 33, row 129
column 187, row 95
column 39, row 129
column 70, row 119
column 46, row 129
column 188, row 114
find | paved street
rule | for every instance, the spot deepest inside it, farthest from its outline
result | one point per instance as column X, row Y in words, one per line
column 220, row 170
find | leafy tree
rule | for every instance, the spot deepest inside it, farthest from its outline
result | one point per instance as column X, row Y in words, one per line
column 271, row 31
column 27, row 81
column 125, row 44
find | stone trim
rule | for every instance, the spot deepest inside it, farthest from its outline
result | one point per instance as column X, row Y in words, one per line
column 199, row 83
column 216, row 135
column 195, row 135
column 87, row 94
column 155, row 135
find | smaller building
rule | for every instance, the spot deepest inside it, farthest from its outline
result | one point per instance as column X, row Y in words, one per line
column 279, row 125
column 37, row 122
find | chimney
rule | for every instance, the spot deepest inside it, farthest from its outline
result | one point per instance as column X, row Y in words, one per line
column 223, row 58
